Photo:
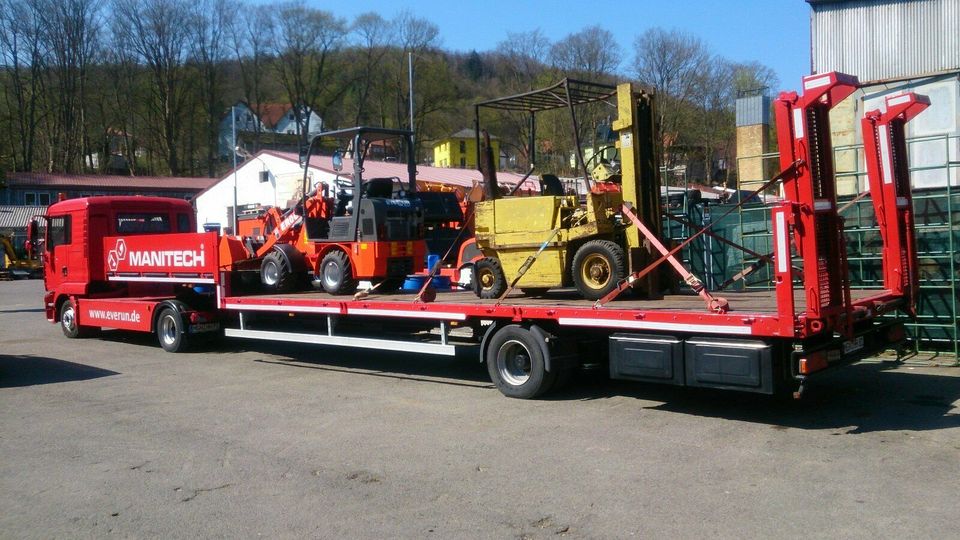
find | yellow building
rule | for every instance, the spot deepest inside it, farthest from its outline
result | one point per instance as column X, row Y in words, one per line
column 460, row 150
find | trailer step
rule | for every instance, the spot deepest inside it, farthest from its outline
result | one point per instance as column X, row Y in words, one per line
column 345, row 341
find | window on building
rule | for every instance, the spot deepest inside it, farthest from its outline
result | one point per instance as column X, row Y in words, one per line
column 59, row 231
column 463, row 147
column 142, row 223
column 463, row 162
column 30, row 198
column 43, row 199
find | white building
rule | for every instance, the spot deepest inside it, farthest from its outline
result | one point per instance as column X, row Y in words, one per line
column 272, row 178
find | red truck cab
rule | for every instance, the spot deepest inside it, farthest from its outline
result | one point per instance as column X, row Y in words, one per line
column 72, row 236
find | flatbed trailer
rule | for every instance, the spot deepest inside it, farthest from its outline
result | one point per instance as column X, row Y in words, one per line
column 181, row 284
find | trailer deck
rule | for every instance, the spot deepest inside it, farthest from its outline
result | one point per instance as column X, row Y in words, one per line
column 752, row 312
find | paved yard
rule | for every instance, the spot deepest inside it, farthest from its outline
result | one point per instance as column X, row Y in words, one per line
column 113, row 437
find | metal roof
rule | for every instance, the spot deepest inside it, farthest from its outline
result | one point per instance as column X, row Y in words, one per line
column 553, row 97
column 128, row 183
column 425, row 173
column 17, row 216
column 885, row 40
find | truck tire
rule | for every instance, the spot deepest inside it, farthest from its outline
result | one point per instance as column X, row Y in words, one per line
column 489, row 278
column 598, row 267
column 68, row 322
column 336, row 273
column 516, row 364
column 276, row 274
column 170, row 332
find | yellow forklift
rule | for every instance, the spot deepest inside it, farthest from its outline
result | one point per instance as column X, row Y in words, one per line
column 581, row 239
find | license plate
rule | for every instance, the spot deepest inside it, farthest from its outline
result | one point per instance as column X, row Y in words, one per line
column 853, row 345
column 204, row 327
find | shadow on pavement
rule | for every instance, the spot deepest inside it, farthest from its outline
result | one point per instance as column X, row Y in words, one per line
column 26, row 370
column 861, row 398
column 24, row 310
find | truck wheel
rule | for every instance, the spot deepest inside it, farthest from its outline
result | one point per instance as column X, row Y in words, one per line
column 275, row 273
column 489, row 278
column 68, row 322
column 170, row 331
column 598, row 267
column 516, row 364
column 336, row 273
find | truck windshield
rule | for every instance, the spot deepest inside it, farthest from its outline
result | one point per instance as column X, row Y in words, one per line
column 142, row 223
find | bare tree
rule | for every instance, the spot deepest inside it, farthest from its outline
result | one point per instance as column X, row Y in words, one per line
column 591, row 54
column 305, row 41
column 525, row 53
column 211, row 20
column 21, row 48
column 417, row 36
column 250, row 37
column 158, row 32
column 753, row 77
column 70, row 29
column 670, row 63
column 373, row 36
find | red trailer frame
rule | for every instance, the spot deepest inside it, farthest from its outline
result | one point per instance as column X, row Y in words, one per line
column 180, row 284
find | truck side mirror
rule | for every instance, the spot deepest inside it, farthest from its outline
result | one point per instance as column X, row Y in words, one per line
column 337, row 160
column 33, row 230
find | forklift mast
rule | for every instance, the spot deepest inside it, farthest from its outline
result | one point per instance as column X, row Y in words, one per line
column 640, row 174
column 885, row 149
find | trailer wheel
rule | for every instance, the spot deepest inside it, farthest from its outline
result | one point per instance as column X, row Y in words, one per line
column 489, row 278
column 275, row 273
column 68, row 321
column 598, row 267
column 170, row 331
column 336, row 273
column 516, row 364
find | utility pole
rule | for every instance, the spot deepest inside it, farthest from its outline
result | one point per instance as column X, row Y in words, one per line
column 410, row 82
column 233, row 116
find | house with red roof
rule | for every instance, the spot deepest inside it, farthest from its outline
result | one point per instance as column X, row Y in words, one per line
column 278, row 121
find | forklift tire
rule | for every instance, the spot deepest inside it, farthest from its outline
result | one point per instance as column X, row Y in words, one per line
column 170, row 331
column 68, row 322
column 336, row 273
column 598, row 267
column 516, row 363
column 488, row 278
column 276, row 274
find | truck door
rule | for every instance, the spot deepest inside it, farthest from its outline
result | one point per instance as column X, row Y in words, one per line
column 58, row 239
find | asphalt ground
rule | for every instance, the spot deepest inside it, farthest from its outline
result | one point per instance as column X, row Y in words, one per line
column 112, row 437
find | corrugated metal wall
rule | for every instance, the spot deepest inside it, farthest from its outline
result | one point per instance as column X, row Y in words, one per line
column 886, row 39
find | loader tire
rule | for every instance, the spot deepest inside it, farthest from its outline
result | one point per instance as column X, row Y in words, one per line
column 598, row 267
column 276, row 274
column 336, row 274
column 490, row 280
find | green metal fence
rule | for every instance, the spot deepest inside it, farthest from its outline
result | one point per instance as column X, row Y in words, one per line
column 937, row 212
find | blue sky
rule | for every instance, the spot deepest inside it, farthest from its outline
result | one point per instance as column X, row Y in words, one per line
column 773, row 32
